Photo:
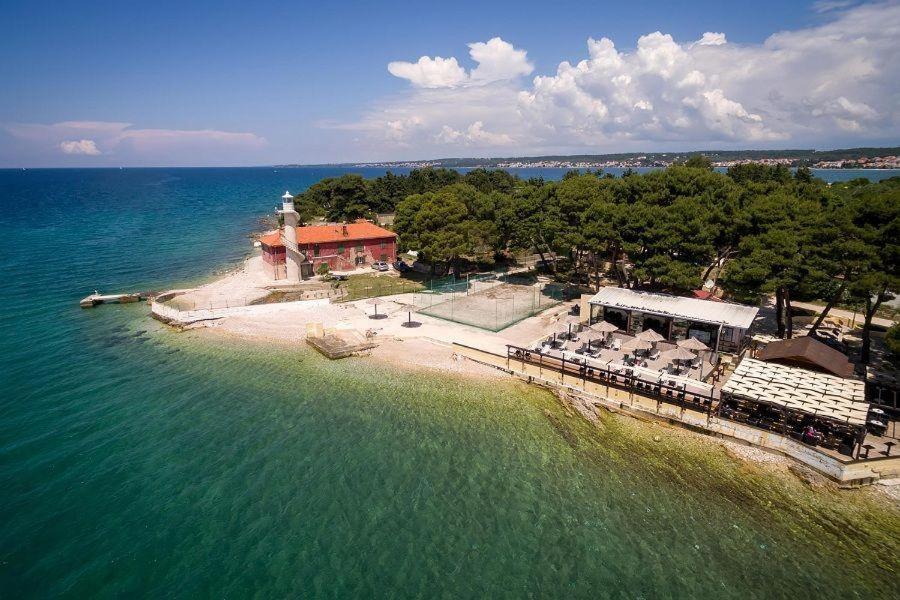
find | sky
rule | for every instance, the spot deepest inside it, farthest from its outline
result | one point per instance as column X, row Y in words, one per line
column 127, row 83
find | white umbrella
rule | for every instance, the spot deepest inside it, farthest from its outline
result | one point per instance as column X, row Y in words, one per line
column 692, row 343
column 650, row 336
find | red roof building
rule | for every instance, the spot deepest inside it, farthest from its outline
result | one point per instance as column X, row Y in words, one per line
column 342, row 246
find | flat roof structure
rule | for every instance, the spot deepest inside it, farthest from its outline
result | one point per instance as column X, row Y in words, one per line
column 818, row 394
column 691, row 309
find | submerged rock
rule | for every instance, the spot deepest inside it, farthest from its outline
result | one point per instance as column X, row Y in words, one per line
column 808, row 476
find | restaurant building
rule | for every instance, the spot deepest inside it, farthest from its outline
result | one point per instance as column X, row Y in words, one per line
column 296, row 252
column 788, row 400
column 720, row 325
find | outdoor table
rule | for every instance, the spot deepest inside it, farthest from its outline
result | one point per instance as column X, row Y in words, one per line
column 888, row 445
column 867, row 448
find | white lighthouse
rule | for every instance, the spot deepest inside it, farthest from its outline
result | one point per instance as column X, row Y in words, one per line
column 293, row 257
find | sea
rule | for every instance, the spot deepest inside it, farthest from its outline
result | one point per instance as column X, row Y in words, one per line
column 137, row 461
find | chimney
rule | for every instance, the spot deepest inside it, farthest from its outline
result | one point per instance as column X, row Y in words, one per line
column 344, row 230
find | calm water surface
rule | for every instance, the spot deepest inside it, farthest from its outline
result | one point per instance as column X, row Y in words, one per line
column 136, row 461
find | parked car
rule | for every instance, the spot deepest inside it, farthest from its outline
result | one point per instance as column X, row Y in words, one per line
column 340, row 276
column 380, row 266
column 402, row 267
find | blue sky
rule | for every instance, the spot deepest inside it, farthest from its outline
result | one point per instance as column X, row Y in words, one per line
column 227, row 83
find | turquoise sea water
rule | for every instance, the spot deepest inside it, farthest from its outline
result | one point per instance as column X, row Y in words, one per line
column 136, row 461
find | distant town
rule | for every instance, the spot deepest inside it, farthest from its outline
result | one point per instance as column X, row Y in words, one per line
column 851, row 158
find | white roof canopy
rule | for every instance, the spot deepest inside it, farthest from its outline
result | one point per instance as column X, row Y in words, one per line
column 798, row 389
column 691, row 309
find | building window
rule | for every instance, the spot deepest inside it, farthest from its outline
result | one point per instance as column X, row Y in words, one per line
column 341, row 249
column 359, row 248
column 315, row 249
column 383, row 245
column 383, row 257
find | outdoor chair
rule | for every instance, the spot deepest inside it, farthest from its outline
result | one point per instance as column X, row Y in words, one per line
column 617, row 344
column 654, row 354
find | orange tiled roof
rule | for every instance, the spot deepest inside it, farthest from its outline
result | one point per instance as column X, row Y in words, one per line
column 273, row 240
column 361, row 230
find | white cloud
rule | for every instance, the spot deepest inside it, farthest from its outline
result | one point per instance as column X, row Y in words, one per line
column 711, row 38
column 88, row 147
column 428, row 72
column 496, row 60
column 122, row 141
column 834, row 83
column 823, row 6
column 474, row 135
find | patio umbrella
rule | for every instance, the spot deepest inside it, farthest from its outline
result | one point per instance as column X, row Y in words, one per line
column 636, row 344
column 603, row 327
column 692, row 343
column 678, row 354
column 650, row 336
column 409, row 308
column 572, row 320
column 373, row 302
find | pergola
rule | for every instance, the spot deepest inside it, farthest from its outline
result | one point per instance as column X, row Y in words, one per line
column 787, row 399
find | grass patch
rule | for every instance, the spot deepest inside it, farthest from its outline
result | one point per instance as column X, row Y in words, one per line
column 369, row 285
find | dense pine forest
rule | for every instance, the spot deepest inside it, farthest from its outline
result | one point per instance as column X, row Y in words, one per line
column 755, row 230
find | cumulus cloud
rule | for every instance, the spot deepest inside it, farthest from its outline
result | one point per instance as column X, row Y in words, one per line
column 122, row 141
column 429, row 72
column 88, row 147
column 837, row 82
column 496, row 60
column 711, row 38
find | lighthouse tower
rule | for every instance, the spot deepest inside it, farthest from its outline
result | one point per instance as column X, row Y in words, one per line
column 291, row 220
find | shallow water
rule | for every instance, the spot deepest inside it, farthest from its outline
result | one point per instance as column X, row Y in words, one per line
column 139, row 461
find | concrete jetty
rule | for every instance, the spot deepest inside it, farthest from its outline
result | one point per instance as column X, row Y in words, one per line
column 95, row 299
column 337, row 343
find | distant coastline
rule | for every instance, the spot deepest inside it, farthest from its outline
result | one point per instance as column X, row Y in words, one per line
column 849, row 158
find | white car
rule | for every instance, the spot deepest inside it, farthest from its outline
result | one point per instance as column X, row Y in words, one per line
column 380, row 266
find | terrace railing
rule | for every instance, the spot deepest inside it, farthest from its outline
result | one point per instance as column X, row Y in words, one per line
column 660, row 391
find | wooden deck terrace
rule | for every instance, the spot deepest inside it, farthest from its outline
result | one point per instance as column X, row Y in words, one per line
column 663, row 388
